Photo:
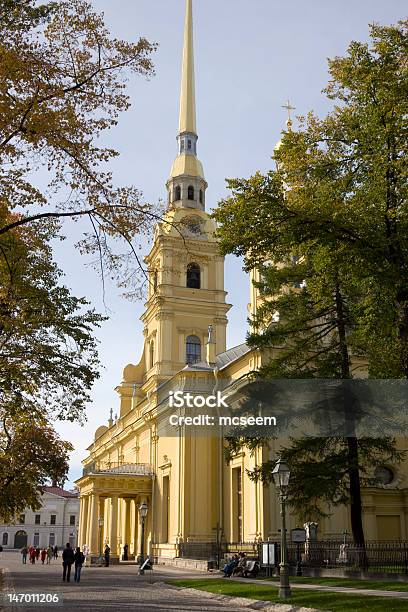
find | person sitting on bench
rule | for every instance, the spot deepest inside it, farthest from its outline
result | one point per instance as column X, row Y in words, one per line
column 230, row 566
column 240, row 569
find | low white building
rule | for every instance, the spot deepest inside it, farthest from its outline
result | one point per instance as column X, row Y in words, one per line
column 55, row 523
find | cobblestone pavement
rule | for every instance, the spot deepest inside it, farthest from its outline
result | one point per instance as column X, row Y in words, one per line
column 111, row 588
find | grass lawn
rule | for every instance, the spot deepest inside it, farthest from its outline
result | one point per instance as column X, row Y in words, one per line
column 300, row 597
column 353, row 583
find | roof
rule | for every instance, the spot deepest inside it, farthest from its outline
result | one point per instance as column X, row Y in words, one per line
column 223, row 359
column 61, row 492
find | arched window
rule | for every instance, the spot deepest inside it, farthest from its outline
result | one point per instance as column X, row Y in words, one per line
column 193, row 350
column 193, row 276
column 155, row 281
column 190, row 192
column 151, row 352
column 177, row 193
column 5, row 539
column 201, row 196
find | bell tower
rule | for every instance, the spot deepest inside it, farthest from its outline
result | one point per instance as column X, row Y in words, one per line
column 186, row 270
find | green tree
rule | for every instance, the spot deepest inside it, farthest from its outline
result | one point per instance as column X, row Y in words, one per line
column 48, row 363
column 337, row 202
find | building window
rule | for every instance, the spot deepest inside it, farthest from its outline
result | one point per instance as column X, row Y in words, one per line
column 36, row 540
column 22, row 519
column 177, row 193
column 37, row 519
column 384, row 475
column 155, row 281
column 193, row 276
column 193, row 350
column 189, row 145
column 5, row 539
column 53, row 519
column 51, row 541
column 201, row 196
column 190, row 192
column 182, row 145
column 72, row 519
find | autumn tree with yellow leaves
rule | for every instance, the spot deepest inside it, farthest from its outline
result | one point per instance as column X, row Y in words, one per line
column 62, row 85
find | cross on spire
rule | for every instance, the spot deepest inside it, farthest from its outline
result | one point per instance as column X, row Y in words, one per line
column 289, row 108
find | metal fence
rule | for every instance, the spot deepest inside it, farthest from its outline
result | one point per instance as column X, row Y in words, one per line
column 375, row 557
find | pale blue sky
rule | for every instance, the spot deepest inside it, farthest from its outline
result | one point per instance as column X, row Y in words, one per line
column 250, row 57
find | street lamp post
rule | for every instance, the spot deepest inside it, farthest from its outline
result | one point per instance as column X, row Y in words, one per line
column 100, row 523
column 281, row 475
column 143, row 510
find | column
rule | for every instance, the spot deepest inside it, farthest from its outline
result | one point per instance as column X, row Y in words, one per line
column 93, row 524
column 88, row 521
column 113, row 536
column 82, row 520
column 106, row 523
column 126, row 530
column 134, row 524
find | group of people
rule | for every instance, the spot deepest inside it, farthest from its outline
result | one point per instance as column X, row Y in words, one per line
column 236, row 566
column 69, row 559
column 35, row 553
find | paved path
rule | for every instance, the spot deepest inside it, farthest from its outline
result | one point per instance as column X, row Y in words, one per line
column 111, row 588
column 120, row 587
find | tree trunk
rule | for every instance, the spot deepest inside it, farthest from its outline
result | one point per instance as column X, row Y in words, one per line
column 356, row 509
column 355, row 493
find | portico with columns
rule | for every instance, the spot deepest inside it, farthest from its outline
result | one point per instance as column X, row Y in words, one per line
column 109, row 509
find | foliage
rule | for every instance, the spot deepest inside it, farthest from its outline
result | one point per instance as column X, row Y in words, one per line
column 62, row 85
column 31, row 454
column 327, row 232
column 48, row 363
column 48, row 358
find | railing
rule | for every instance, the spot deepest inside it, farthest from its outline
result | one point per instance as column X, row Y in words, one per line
column 212, row 551
column 114, row 467
column 375, row 557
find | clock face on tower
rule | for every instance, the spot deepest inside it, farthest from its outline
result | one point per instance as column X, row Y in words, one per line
column 193, row 226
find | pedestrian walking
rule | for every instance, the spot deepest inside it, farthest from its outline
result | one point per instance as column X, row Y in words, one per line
column 50, row 553
column 79, row 560
column 126, row 552
column 107, row 555
column 43, row 555
column 55, row 552
column 24, row 552
column 67, row 561
column 32, row 555
column 37, row 553
column 1, row 551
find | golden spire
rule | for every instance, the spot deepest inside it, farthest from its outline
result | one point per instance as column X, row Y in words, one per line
column 187, row 119
column 186, row 163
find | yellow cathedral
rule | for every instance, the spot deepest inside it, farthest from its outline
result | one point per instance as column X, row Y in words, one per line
column 192, row 496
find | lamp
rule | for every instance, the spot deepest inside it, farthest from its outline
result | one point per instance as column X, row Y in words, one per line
column 281, row 476
column 100, row 523
column 143, row 510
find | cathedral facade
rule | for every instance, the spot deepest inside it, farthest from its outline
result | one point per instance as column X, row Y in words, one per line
column 193, row 496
